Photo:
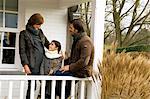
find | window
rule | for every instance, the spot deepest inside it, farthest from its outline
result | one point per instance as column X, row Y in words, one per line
column 8, row 32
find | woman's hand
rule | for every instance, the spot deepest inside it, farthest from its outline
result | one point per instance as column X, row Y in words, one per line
column 27, row 69
column 49, row 48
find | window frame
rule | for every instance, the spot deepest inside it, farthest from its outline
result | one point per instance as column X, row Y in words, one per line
column 3, row 29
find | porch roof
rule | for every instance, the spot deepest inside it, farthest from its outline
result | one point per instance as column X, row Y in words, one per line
column 61, row 3
column 67, row 3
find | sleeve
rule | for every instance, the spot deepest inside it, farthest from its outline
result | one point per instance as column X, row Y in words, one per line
column 59, row 64
column 22, row 49
column 86, row 50
column 67, row 61
column 46, row 44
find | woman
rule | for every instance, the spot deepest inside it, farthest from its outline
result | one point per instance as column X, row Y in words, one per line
column 31, row 47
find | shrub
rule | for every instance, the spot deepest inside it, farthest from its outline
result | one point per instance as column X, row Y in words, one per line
column 140, row 48
column 125, row 76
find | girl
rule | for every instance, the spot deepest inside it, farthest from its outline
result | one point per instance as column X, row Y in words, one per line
column 53, row 58
column 52, row 63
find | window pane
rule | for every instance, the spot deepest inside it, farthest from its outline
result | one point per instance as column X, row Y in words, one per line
column 1, row 19
column 1, row 4
column 8, row 56
column 11, row 20
column 11, row 5
column 9, row 39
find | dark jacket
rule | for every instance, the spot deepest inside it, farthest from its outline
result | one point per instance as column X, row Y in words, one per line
column 26, row 47
column 81, row 59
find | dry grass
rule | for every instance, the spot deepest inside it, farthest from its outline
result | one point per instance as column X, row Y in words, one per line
column 125, row 76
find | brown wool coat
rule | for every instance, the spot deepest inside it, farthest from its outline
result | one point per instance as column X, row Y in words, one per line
column 81, row 58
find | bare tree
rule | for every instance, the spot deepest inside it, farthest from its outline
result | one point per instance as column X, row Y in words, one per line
column 85, row 13
column 126, row 18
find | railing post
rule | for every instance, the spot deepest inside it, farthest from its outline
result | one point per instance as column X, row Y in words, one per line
column 32, row 89
column 82, row 91
column 0, row 89
column 63, row 89
column 43, row 89
column 53, row 89
column 22, row 89
column 10, row 89
column 73, row 89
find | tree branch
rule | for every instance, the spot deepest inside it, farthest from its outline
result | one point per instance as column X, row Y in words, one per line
column 132, row 21
column 121, row 6
column 142, row 11
column 137, row 30
column 139, row 40
column 124, row 14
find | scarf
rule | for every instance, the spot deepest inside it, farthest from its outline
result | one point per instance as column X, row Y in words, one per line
column 32, row 30
column 52, row 54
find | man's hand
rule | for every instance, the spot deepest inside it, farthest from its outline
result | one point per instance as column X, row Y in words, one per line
column 27, row 69
column 64, row 68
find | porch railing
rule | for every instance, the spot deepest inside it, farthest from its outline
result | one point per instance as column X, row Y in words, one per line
column 84, row 88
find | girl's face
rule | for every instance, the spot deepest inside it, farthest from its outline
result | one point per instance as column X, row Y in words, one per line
column 52, row 46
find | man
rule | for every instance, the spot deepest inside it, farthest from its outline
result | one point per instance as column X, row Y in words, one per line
column 82, row 52
column 79, row 64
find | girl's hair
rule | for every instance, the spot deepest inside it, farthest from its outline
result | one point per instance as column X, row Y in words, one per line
column 35, row 19
column 57, row 43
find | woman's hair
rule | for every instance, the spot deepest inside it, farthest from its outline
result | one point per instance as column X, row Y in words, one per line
column 79, row 25
column 57, row 43
column 35, row 19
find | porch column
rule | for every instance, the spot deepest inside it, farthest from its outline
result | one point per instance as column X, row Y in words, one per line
column 98, row 16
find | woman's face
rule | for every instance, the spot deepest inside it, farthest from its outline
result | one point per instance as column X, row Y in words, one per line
column 52, row 46
column 37, row 26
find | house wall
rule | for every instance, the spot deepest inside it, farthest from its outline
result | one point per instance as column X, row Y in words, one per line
column 55, row 19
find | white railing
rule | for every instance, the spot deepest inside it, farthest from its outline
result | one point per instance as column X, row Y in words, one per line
column 83, row 87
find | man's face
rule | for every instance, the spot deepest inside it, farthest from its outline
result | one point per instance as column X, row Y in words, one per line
column 72, row 30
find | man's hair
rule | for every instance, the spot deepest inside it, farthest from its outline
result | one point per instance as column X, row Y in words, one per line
column 57, row 43
column 35, row 19
column 79, row 25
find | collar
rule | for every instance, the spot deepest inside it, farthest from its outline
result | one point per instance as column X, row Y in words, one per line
column 52, row 54
column 78, row 36
column 32, row 30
